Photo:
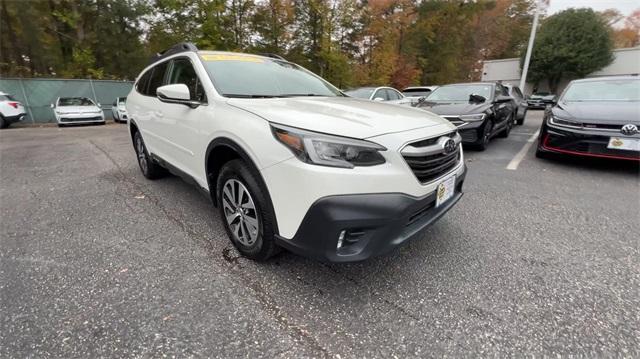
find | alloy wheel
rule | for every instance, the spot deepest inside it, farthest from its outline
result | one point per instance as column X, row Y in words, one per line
column 142, row 157
column 240, row 212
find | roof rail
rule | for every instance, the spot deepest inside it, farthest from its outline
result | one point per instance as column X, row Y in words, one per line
column 175, row 49
column 273, row 56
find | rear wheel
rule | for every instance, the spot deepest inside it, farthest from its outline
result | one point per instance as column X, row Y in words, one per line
column 3, row 123
column 149, row 169
column 246, row 211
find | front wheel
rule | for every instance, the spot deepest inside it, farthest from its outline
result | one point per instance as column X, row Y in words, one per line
column 246, row 211
column 507, row 129
column 520, row 121
column 3, row 122
column 486, row 136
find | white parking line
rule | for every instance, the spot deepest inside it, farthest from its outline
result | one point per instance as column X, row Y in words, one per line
column 515, row 162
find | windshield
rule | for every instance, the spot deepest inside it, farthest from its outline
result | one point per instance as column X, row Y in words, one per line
column 75, row 101
column 246, row 76
column 460, row 92
column 364, row 92
column 606, row 90
column 122, row 99
column 416, row 92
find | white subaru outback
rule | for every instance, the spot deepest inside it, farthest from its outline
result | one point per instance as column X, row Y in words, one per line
column 288, row 159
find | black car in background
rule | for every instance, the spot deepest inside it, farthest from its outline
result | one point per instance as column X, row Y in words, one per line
column 597, row 117
column 540, row 100
column 480, row 110
column 521, row 103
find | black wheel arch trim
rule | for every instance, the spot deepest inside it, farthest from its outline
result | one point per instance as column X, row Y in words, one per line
column 212, row 177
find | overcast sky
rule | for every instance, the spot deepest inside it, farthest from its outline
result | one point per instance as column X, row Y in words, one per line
column 624, row 6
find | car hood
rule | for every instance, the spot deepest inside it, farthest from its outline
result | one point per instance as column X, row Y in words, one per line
column 616, row 112
column 78, row 109
column 453, row 108
column 343, row 116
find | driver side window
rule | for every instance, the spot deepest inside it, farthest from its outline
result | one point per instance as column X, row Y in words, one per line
column 182, row 72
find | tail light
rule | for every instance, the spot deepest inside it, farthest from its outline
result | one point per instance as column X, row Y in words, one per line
column 14, row 104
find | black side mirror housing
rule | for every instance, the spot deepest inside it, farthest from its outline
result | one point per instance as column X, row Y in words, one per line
column 475, row 98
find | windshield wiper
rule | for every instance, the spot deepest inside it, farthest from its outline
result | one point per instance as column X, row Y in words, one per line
column 237, row 95
column 300, row 95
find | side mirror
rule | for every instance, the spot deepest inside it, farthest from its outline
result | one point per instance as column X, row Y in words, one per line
column 378, row 99
column 474, row 98
column 99, row 105
column 53, row 106
column 176, row 93
column 503, row 98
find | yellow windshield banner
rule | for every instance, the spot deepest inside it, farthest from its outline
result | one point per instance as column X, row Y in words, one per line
column 225, row 57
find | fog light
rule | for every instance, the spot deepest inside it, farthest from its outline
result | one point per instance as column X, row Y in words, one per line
column 341, row 238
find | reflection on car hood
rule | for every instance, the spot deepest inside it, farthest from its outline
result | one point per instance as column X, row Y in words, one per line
column 616, row 112
column 453, row 108
column 343, row 116
column 77, row 109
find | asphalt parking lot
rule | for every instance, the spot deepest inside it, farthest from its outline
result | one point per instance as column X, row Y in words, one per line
column 97, row 261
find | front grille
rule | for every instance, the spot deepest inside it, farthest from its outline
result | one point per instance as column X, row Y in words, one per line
column 602, row 126
column 435, row 162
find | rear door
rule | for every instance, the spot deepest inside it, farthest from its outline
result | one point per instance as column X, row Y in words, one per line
column 147, row 110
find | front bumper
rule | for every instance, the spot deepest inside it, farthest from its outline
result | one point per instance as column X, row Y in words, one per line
column 582, row 143
column 14, row 119
column 79, row 118
column 471, row 132
column 374, row 223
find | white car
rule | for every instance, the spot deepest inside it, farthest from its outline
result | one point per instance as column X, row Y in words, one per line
column 11, row 111
column 383, row 94
column 77, row 110
column 288, row 159
column 119, row 110
column 415, row 93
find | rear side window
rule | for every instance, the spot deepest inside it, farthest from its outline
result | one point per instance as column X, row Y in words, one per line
column 157, row 78
column 517, row 91
column 393, row 95
column 382, row 94
column 143, row 83
column 182, row 72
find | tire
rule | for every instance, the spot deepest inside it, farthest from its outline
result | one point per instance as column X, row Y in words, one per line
column 3, row 123
column 505, row 133
column 486, row 136
column 247, row 215
column 520, row 121
column 543, row 154
column 149, row 168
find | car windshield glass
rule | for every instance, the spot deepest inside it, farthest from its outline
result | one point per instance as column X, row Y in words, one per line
column 416, row 92
column 460, row 92
column 606, row 90
column 75, row 101
column 540, row 94
column 246, row 76
column 364, row 92
column 122, row 99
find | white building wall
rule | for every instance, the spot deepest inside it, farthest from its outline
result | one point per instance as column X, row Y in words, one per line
column 626, row 62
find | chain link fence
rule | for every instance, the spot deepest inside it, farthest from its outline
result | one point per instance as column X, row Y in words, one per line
column 37, row 95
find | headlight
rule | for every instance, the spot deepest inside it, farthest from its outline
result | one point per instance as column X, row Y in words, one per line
column 474, row 117
column 564, row 123
column 327, row 150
